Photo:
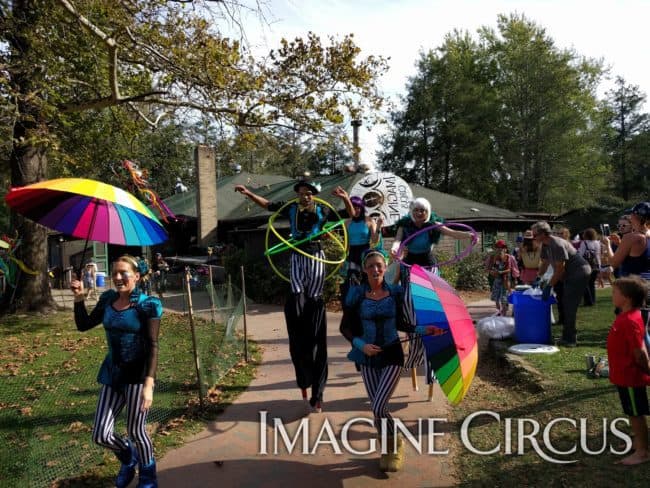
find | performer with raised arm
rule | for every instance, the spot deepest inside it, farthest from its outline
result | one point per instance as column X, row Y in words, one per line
column 304, row 309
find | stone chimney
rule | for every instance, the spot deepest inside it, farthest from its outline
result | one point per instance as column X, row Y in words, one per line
column 355, row 141
column 206, row 196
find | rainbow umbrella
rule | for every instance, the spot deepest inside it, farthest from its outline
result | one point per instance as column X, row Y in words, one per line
column 89, row 210
column 454, row 355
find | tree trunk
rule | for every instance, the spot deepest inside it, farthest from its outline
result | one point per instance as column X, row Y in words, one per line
column 28, row 165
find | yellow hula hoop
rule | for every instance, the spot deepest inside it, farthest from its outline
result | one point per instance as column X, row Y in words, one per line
column 343, row 245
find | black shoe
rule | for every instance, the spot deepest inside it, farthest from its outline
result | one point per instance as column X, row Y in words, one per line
column 565, row 343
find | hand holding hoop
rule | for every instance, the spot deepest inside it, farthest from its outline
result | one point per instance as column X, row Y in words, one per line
column 285, row 244
column 460, row 256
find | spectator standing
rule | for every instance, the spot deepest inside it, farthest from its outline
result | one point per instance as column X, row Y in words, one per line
column 590, row 250
column 633, row 254
column 569, row 268
column 530, row 257
column 89, row 277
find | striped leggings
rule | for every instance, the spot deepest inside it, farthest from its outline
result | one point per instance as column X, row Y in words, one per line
column 380, row 384
column 307, row 274
column 110, row 404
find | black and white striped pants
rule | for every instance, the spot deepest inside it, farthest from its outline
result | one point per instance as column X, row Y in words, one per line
column 307, row 275
column 110, row 404
column 380, row 384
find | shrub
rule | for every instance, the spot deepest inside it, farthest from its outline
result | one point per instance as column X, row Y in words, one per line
column 471, row 273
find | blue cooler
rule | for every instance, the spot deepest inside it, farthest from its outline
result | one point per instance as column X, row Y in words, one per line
column 99, row 278
column 532, row 318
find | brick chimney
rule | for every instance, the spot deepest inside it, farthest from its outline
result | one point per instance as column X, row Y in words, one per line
column 206, row 196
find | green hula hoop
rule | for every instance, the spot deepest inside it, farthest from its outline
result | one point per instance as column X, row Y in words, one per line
column 285, row 244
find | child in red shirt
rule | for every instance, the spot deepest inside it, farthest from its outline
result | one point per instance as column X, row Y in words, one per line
column 629, row 366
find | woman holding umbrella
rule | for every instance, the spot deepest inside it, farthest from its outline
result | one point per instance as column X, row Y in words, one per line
column 372, row 315
column 419, row 251
column 132, row 321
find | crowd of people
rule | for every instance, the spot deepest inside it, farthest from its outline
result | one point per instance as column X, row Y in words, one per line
column 374, row 312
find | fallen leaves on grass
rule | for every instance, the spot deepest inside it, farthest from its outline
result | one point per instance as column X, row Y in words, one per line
column 76, row 427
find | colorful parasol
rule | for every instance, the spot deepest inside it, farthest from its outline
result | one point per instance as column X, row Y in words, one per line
column 452, row 356
column 89, row 210
column 4, row 244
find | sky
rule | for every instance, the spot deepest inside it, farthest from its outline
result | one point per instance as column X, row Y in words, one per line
column 615, row 31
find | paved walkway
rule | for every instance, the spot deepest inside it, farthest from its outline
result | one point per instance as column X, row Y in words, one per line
column 230, row 452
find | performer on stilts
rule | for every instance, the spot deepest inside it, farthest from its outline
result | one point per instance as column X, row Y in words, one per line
column 419, row 251
column 304, row 309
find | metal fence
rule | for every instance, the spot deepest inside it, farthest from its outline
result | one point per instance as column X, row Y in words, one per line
column 38, row 448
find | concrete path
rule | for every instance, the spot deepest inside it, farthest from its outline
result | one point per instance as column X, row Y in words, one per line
column 232, row 452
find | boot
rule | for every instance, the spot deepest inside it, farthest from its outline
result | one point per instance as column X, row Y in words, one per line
column 129, row 458
column 395, row 454
column 148, row 477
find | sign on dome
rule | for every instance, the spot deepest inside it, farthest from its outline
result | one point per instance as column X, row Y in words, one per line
column 384, row 194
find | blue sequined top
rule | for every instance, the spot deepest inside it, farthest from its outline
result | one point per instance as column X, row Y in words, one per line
column 368, row 321
column 131, row 335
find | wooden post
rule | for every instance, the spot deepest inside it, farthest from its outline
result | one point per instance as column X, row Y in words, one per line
column 431, row 392
column 197, row 361
column 414, row 379
column 243, row 297
column 212, row 312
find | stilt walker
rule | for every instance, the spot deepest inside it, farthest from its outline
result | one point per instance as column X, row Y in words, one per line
column 304, row 308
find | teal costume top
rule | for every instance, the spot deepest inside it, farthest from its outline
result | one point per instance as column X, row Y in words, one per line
column 358, row 233
column 131, row 336
column 422, row 243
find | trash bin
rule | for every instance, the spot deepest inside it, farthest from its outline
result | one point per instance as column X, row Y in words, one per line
column 100, row 278
column 532, row 318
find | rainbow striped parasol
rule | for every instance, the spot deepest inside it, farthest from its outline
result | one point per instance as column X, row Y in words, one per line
column 454, row 355
column 88, row 209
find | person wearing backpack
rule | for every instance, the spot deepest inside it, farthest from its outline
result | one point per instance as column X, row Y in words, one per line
column 590, row 250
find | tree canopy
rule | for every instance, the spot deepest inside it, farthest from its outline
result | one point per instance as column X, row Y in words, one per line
column 124, row 62
column 509, row 119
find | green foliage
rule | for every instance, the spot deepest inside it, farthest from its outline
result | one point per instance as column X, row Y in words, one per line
column 262, row 284
column 148, row 60
column 466, row 274
column 471, row 273
column 627, row 141
column 508, row 119
column 285, row 152
column 448, row 273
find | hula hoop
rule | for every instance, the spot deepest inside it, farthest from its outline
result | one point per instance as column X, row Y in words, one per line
column 460, row 256
column 289, row 245
column 283, row 246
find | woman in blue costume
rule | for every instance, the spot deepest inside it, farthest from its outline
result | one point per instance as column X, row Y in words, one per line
column 419, row 251
column 372, row 315
column 304, row 309
column 364, row 232
column 131, row 321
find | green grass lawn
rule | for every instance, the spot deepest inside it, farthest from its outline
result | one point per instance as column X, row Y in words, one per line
column 48, row 393
column 568, row 392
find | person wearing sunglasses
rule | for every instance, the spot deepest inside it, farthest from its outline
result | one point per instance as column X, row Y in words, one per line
column 419, row 250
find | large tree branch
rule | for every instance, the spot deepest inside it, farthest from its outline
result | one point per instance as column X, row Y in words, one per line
column 110, row 43
column 104, row 102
